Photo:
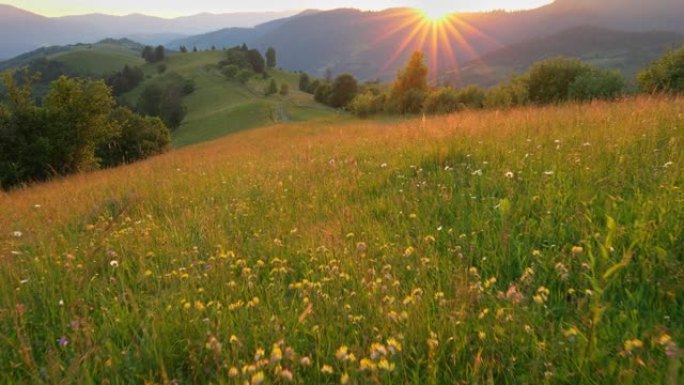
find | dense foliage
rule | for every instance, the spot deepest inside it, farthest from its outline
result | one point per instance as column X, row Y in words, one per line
column 66, row 133
column 665, row 75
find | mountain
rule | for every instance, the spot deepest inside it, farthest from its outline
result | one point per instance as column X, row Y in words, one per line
column 628, row 52
column 30, row 31
column 375, row 44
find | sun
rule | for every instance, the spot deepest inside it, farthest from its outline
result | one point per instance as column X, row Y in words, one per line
column 436, row 11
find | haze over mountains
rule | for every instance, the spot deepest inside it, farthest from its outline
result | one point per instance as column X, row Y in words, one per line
column 621, row 34
column 25, row 31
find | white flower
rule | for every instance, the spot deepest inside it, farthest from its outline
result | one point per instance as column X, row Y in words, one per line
column 17, row 234
column 548, row 173
column 510, row 175
column 114, row 263
column 667, row 165
column 384, row 165
column 61, row 302
column 477, row 173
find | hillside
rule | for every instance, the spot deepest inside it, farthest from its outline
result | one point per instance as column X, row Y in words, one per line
column 29, row 31
column 219, row 106
column 628, row 52
column 527, row 246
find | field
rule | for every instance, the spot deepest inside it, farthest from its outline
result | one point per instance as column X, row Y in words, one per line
column 531, row 246
column 98, row 59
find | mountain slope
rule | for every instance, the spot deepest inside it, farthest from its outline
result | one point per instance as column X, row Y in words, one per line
column 375, row 44
column 628, row 52
column 29, row 31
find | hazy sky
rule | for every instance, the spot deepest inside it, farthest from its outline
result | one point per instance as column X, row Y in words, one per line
column 171, row 8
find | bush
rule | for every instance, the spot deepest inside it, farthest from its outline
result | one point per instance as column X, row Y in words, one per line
column 161, row 68
column 597, row 84
column 322, row 94
column 284, row 89
column 664, row 75
column 243, row 76
column 230, row 71
column 367, row 104
column 304, row 82
column 137, row 138
column 442, row 101
column 550, row 80
column 313, row 87
column 471, row 97
column 272, row 88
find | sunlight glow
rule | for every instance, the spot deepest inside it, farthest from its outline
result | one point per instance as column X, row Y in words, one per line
column 436, row 13
column 441, row 34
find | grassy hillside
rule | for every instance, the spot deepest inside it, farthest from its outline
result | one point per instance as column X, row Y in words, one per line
column 219, row 106
column 530, row 246
column 99, row 59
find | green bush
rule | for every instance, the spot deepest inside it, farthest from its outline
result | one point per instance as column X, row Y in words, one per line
column 597, row 84
column 664, row 75
column 367, row 104
column 443, row 100
column 550, row 80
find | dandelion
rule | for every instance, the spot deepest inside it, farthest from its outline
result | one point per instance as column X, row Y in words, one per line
column 114, row 263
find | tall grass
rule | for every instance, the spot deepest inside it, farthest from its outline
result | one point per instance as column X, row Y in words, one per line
column 530, row 246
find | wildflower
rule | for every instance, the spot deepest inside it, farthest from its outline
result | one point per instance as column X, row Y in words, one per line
column 233, row 339
column 510, row 175
column 257, row 378
column 63, row 341
column 114, row 263
column 548, row 173
column 342, row 353
column 305, row 361
column 577, row 250
column 276, row 354
column 377, row 350
column 481, row 335
column 571, row 333
column 258, row 354
column 17, row 234
column 409, row 251
column 327, row 369
column 393, row 345
column 384, row 165
column 148, row 273
column 542, row 295
column 664, row 339
column 286, row 375
column 366, row 364
column 386, row 365
column 667, row 165
column 233, row 372
column 344, row 379
column 477, row 172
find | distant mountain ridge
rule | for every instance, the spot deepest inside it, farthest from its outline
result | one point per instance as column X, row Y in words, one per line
column 347, row 40
column 29, row 31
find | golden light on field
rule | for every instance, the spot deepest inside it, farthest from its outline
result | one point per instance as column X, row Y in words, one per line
column 435, row 30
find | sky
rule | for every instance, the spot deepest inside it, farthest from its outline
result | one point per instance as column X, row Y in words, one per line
column 174, row 8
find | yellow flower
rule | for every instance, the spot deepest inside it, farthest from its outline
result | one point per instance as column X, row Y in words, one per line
column 386, row 365
column 344, row 379
column 233, row 372
column 258, row 378
column 341, row 353
column 577, row 250
column 393, row 345
column 287, row 375
column 276, row 354
column 327, row 369
column 366, row 364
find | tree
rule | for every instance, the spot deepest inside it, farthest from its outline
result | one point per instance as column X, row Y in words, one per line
column 272, row 88
column 410, row 87
column 442, row 101
column 159, row 53
column 256, row 61
column 284, row 89
column 194, row 49
column 183, row 49
column 148, row 54
column 230, row 71
column 664, row 75
column 550, row 80
column 322, row 94
column 344, row 89
column 367, row 104
column 244, row 75
column 271, row 57
column 304, row 82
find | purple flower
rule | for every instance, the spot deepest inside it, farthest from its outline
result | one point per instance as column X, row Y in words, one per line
column 63, row 341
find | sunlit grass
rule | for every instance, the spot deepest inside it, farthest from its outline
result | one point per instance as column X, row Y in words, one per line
column 539, row 245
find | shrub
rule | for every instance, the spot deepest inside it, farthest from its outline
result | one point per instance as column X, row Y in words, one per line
column 664, row 75
column 550, row 80
column 442, row 101
column 367, row 104
column 597, row 84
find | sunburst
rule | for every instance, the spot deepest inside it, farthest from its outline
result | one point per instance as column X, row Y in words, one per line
column 436, row 31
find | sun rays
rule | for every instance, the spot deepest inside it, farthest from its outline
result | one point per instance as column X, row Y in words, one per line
column 439, row 34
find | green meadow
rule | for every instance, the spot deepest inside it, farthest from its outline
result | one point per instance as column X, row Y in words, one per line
column 528, row 246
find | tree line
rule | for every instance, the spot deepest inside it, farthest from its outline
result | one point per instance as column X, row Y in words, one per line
column 550, row 81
